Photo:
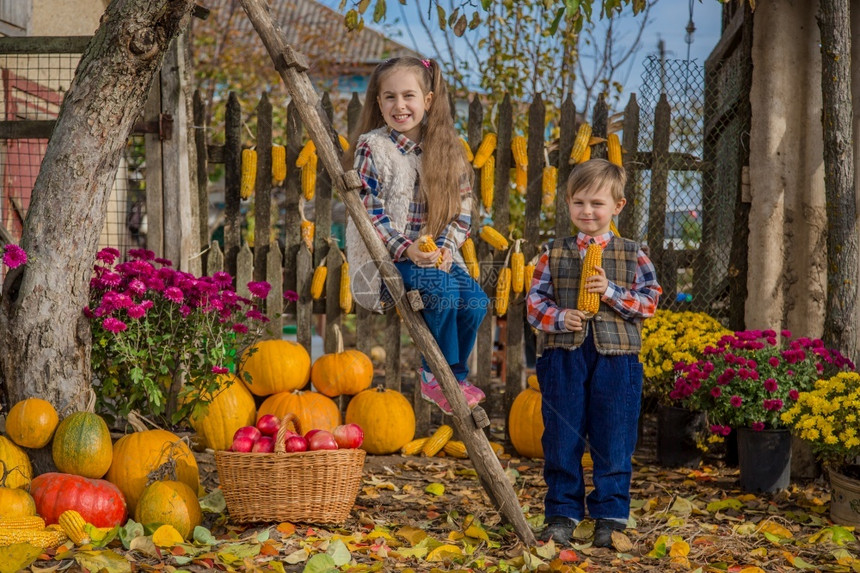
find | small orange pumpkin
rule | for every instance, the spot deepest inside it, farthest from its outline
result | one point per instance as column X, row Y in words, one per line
column 231, row 408
column 16, row 502
column 275, row 366
column 313, row 410
column 525, row 422
column 15, row 464
column 31, row 423
column 386, row 417
column 344, row 372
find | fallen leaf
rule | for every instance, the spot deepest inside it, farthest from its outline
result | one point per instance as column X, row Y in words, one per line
column 166, row 536
column 621, row 542
column 444, row 553
column 435, row 488
column 18, row 556
column 103, row 561
column 776, row 529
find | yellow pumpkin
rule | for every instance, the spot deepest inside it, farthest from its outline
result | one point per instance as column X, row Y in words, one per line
column 525, row 423
column 31, row 423
column 386, row 417
column 172, row 503
column 344, row 372
column 276, row 366
column 313, row 410
column 16, row 464
column 231, row 408
column 15, row 503
column 137, row 454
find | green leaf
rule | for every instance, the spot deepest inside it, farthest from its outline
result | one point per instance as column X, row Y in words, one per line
column 339, row 553
column 379, row 11
column 553, row 28
column 203, row 536
column 435, row 489
column 131, row 530
column 350, row 20
column 731, row 502
column 320, row 563
column 107, row 561
column 18, row 556
column 213, row 502
column 440, row 12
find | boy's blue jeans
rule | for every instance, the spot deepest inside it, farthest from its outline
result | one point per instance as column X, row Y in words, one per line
column 587, row 395
column 454, row 306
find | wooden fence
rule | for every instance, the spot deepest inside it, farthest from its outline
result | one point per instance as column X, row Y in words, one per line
column 500, row 340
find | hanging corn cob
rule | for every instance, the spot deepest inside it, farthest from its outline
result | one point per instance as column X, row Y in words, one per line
column 519, row 148
column 307, row 227
column 279, row 163
column 548, row 186
column 613, row 150
column 309, row 177
column 469, row 155
column 249, row 173
column 318, row 280
column 580, row 144
column 485, row 150
column 344, row 142
column 529, row 273
column 586, row 156
column 493, row 238
column 521, row 179
column 305, row 154
column 613, row 228
column 438, row 440
column 503, row 291
column 470, row 257
column 426, row 245
column 345, row 290
column 518, row 270
column 488, row 182
column 589, row 302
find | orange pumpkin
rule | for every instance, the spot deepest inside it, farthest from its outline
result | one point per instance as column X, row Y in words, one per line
column 15, row 503
column 15, row 464
column 313, row 410
column 344, row 372
column 31, row 423
column 276, row 366
column 172, row 503
column 525, row 422
column 231, row 408
column 386, row 417
column 137, row 454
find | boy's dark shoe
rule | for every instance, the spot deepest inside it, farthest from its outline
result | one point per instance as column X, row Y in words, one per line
column 603, row 532
column 559, row 529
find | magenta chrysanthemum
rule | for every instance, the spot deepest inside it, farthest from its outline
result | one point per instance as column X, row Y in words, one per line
column 291, row 295
column 219, row 370
column 136, row 311
column 173, row 294
column 240, row 328
column 758, row 426
column 736, row 401
column 259, row 289
column 770, row 385
column 114, row 325
column 108, row 255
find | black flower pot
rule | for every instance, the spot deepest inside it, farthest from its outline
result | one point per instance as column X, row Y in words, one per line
column 765, row 459
column 678, row 432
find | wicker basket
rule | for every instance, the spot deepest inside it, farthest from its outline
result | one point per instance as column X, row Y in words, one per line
column 310, row 487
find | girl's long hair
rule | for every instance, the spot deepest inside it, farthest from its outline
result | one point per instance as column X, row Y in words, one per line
column 443, row 158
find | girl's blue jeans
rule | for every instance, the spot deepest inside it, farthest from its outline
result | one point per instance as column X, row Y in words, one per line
column 594, row 397
column 454, row 306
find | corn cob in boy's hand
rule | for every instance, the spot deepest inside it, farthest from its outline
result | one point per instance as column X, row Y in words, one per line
column 589, row 302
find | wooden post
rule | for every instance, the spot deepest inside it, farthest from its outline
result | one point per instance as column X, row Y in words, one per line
column 630, row 219
column 364, row 331
column 291, row 67
column 232, row 179
column 202, row 180
column 154, row 198
column 659, row 187
column 567, row 135
column 263, row 188
column 304, row 306
column 292, row 220
column 598, row 126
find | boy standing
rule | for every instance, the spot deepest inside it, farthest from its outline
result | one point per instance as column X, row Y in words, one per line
column 589, row 372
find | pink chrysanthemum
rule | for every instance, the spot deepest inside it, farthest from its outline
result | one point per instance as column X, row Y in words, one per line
column 240, row 328
column 219, row 370
column 770, row 385
column 14, row 256
column 163, row 262
column 291, row 295
column 736, row 401
column 793, row 394
column 259, row 289
column 173, row 294
column 758, row 426
column 223, row 279
column 137, row 286
column 136, row 311
column 114, row 325
column 107, row 255
column 185, row 310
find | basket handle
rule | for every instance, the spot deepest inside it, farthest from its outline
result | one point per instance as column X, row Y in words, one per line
column 289, row 418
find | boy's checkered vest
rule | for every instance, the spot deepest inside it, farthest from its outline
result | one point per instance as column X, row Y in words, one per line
column 612, row 333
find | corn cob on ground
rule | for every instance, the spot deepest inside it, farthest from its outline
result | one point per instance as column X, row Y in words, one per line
column 438, row 440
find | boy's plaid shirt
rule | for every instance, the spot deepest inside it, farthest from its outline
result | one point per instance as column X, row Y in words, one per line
column 639, row 301
column 451, row 237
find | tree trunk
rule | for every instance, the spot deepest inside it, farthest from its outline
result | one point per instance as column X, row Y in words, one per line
column 843, row 261
column 46, row 339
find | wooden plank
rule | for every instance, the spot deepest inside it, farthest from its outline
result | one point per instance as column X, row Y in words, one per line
column 263, row 188
column 323, row 194
column 391, row 345
column 334, row 261
column 292, row 191
column 215, row 260
column 27, row 129
column 232, row 181
column 180, row 234
column 304, row 306
column 44, row 44
column 567, row 135
column 598, row 126
column 275, row 300
column 630, row 219
column 215, row 153
column 153, row 175
column 244, row 271
column 202, row 178
column 659, row 188
column 675, row 161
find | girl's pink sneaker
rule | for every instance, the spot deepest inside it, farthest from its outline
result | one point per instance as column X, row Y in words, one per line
column 474, row 395
column 431, row 391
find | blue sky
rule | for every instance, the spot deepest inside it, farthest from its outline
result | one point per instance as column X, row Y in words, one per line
column 667, row 20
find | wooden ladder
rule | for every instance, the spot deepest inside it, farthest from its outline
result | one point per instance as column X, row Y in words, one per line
column 292, row 67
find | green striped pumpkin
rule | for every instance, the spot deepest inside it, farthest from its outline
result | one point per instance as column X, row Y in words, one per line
column 82, row 445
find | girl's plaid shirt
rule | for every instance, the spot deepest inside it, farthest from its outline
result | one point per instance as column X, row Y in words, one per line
column 451, row 237
column 640, row 301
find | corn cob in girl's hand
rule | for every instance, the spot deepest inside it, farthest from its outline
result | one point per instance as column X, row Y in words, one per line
column 426, row 245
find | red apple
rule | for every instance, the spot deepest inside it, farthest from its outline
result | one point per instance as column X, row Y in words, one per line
column 268, row 424
column 322, row 440
column 310, row 433
column 248, row 432
column 242, row 444
column 265, row 445
column 348, row 435
column 296, row 443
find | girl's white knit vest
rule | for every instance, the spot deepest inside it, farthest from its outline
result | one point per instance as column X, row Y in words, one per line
column 397, row 174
